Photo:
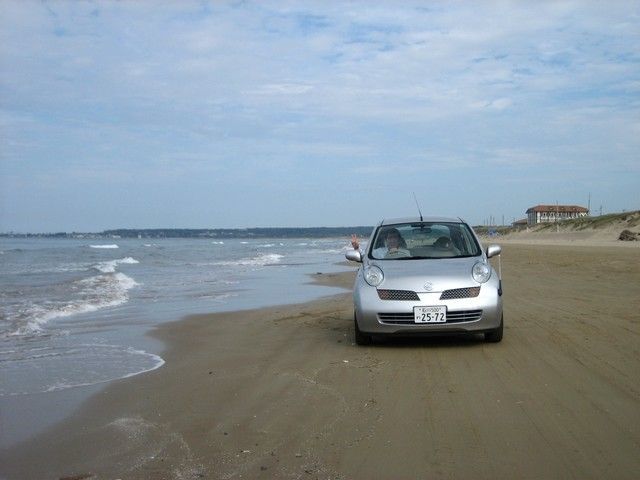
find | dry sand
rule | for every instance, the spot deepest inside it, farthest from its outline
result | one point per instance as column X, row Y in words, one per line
column 284, row 392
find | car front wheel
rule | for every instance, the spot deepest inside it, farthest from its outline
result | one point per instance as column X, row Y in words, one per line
column 495, row 336
column 361, row 338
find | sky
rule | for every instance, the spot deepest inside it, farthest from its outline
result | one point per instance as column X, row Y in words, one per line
column 145, row 114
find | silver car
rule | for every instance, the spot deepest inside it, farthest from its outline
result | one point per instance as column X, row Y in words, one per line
column 426, row 276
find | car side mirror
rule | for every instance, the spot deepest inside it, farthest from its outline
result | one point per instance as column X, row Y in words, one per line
column 354, row 256
column 493, row 250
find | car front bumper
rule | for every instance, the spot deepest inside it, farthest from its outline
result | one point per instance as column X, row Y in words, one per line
column 391, row 317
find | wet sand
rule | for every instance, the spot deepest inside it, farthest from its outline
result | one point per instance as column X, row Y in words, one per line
column 284, row 393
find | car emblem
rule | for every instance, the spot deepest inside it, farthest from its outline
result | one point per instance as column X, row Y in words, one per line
column 428, row 286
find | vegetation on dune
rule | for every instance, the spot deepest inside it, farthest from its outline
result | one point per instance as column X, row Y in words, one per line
column 624, row 220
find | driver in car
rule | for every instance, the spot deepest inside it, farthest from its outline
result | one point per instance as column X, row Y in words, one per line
column 394, row 245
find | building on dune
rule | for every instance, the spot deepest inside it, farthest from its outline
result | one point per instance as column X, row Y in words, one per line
column 554, row 213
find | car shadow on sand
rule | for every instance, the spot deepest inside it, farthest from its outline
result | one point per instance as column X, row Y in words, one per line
column 431, row 341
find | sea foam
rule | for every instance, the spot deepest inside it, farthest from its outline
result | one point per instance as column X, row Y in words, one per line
column 104, row 246
column 100, row 291
column 257, row 261
column 110, row 265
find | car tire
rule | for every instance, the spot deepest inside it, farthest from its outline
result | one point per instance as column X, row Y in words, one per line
column 495, row 336
column 361, row 338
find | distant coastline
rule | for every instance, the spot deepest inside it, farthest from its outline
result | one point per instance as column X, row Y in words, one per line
column 611, row 224
column 258, row 232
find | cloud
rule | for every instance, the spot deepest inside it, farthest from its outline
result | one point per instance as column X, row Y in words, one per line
column 281, row 89
column 497, row 104
column 317, row 85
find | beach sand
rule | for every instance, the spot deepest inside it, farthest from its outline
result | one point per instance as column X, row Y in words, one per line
column 284, row 392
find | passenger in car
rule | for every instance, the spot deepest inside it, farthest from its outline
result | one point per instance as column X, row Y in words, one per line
column 444, row 247
column 443, row 243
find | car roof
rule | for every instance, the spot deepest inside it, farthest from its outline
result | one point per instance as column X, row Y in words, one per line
column 392, row 221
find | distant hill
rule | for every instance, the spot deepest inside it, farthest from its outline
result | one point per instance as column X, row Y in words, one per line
column 266, row 232
column 605, row 226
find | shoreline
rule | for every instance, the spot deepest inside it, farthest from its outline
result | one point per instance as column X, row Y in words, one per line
column 113, row 400
column 283, row 392
column 52, row 407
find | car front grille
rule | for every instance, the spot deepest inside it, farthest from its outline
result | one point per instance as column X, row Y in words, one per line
column 408, row 295
column 398, row 295
column 469, row 292
column 403, row 318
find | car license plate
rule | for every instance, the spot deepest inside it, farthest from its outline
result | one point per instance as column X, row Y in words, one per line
column 434, row 314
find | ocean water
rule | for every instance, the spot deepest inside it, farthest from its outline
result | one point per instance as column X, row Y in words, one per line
column 74, row 313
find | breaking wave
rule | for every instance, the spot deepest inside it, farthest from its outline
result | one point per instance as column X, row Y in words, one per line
column 110, row 265
column 94, row 293
column 260, row 260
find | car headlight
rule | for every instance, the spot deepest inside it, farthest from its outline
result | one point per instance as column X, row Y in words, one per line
column 481, row 272
column 373, row 275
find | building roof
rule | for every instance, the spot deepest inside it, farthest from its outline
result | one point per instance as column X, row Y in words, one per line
column 558, row 208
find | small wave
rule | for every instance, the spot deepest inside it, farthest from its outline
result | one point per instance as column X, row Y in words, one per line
column 104, row 246
column 267, row 245
column 35, row 268
column 63, row 367
column 12, row 250
column 68, row 267
column 341, row 250
column 217, row 243
column 216, row 297
column 110, row 265
column 335, row 250
column 257, row 261
column 97, row 292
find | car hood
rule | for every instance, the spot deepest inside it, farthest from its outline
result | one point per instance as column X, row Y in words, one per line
column 432, row 275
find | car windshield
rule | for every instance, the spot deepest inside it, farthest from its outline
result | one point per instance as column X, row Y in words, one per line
column 411, row 241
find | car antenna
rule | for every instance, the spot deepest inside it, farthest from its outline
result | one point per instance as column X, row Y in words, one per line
column 417, row 205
